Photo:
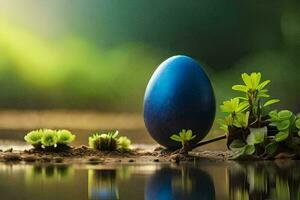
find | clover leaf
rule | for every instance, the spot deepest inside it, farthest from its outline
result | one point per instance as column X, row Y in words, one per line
column 284, row 115
column 257, row 135
column 281, row 136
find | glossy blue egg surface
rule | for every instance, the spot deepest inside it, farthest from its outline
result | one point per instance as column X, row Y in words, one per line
column 179, row 96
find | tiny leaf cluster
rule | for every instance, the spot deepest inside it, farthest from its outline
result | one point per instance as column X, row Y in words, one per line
column 184, row 137
column 109, row 142
column 49, row 139
column 252, row 130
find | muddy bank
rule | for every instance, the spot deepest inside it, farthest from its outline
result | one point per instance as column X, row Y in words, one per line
column 83, row 154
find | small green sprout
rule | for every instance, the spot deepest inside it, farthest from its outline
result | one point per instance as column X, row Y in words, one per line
column 109, row 142
column 124, row 143
column 254, row 92
column 184, row 137
column 49, row 139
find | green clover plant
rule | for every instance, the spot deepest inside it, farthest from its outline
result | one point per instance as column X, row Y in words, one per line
column 253, row 131
column 109, row 142
column 184, row 137
column 49, row 139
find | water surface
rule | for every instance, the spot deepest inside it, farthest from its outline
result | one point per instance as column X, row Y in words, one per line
column 198, row 180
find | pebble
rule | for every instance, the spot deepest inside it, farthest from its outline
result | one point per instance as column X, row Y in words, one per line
column 83, row 147
column 131, row 160
column 58, row 159
column 29, row 158
column 45, row 158
column 176, row 158
column 11, row 157
column 9, row 150
column 156, row 160
column 95, row 160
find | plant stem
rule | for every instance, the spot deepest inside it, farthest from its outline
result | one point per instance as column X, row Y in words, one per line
column 210, row 141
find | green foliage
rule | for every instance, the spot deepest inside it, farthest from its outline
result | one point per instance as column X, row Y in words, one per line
column 240, row 148
column 109, row 142
column 257, row 135
column 233, row 106
column 251, row 130
column 184, row 137
column 49, row 139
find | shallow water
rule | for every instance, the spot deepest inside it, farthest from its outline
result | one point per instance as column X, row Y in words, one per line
column 199, row 180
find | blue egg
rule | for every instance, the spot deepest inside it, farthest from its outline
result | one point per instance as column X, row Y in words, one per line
column 179, row 96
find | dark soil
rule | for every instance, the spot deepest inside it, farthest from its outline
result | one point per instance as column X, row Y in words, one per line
column 84, row 154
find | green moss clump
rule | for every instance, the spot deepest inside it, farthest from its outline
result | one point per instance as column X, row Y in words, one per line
column 49, row 139
column 109, row 142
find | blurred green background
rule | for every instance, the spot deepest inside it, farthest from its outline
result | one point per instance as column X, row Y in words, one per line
column 99, row 55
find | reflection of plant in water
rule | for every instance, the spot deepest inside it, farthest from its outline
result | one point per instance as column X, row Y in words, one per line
column 282, row 190
column 102, row 184
column 239, row 194
column 124, row 172
column 183, row 181
column 49, row 172
column 257, row 179
column 264, row 181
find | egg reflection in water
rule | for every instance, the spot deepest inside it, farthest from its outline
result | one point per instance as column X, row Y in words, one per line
column 180, row 184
